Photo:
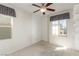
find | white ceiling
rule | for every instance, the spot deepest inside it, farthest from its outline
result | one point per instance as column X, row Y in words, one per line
column 57, row 6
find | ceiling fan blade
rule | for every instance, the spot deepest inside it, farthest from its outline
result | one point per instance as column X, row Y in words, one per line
column 48, row 4
column 36, row 10
column 43, row 13
column 51, row 9
column 36, row 5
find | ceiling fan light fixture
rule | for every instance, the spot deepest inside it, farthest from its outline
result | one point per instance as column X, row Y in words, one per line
column 43, row 9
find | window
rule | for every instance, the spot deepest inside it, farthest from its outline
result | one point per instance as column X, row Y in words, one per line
column 5, row 27
column 55, row 27
column 59, row 27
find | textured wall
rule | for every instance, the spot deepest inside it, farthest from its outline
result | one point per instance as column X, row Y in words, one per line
column 76, row 26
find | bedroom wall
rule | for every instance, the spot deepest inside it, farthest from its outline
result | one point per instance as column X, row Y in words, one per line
column 36, row 28
column 45, row 28
column 76, row 26
column 22, row 35
column 64, row 41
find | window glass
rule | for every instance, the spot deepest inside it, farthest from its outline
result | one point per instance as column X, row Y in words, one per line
column 55, row 28
column 5, row 27
column 59, row 27
column 63, row 27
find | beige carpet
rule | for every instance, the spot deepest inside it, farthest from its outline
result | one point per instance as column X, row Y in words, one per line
column 44, row 49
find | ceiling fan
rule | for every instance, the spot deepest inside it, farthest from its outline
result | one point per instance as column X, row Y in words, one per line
column 43, row 8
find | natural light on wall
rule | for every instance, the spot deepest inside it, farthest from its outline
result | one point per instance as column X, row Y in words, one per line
column 61, row 48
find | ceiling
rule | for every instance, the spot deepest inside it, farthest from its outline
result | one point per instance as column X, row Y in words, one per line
column 57, row 6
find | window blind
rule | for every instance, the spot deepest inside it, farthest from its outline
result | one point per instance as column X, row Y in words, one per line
column 7, row 11
column 60, row 17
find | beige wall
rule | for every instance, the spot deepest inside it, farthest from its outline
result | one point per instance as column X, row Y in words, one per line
column 76, row 26
column 36, row 28
column 45, row 28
